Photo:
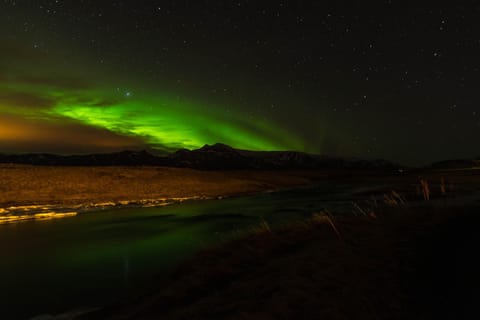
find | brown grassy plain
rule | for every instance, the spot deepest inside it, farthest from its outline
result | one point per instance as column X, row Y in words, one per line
column 69, row 186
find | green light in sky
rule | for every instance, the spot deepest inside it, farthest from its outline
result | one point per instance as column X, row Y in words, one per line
column 171, row 123
column 47, row 95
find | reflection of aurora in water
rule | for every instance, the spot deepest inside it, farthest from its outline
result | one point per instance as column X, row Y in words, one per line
column 103, row 256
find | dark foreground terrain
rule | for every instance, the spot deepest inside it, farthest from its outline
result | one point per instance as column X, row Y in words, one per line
column 407, row 250
column 397, row 263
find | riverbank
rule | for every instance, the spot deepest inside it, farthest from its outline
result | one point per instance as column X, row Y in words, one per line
column 399, row 263
column 383, row 229
column 31, row 192
column 27, row 187
column 40, row 185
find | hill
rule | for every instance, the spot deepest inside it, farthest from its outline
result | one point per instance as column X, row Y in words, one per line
column 208, row 157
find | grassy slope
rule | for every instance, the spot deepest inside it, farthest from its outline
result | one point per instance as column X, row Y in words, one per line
column 406, row 264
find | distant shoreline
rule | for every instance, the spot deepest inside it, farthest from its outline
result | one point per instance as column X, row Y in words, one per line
column 15, row 214
column 46, row 192
column 39, row 193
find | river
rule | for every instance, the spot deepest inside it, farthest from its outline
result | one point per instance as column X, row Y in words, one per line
column 93, row 259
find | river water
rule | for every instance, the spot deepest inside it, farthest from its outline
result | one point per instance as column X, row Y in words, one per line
column 93, row 259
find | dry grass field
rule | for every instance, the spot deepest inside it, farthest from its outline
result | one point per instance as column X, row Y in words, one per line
column 72, row 186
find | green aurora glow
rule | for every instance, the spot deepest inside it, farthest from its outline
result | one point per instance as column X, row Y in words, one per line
column 162, row 122
column 59, row 96
column 60, row 99
column 171, row 123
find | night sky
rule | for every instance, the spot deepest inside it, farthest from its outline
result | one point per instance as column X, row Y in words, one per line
column 372, row 79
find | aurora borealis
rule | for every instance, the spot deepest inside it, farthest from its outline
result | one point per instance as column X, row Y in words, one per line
column 161, row 122
column 378, row 80
column 125, row 118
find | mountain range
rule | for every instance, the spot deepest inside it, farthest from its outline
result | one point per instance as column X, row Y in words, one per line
column 209, row 157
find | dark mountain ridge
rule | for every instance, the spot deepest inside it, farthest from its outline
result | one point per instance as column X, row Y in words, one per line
column 456, row 164
column 209, row 157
